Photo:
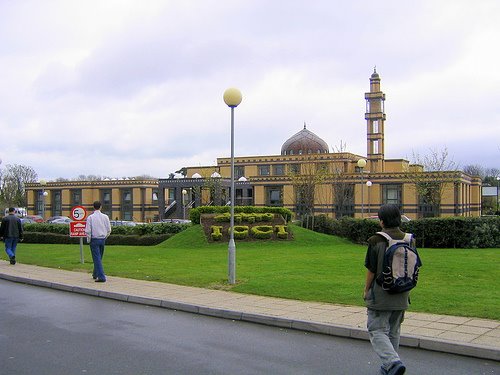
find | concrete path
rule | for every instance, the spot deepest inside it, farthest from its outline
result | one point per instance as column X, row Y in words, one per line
column 451, row 334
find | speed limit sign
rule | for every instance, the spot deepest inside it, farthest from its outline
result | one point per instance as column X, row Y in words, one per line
column 78, row 213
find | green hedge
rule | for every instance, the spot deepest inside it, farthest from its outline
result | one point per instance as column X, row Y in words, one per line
column 244, row 217
column 263, row 231
column 450, row 232
column 114, row 239
column 139, row 235
column 195, row 213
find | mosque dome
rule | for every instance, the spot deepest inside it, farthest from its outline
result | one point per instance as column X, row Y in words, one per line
column 304, row 142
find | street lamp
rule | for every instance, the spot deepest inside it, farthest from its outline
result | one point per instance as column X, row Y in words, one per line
column 498, row 184
column 43, row 183
column 368, row 184
column 184, row 192
column 361, row 165
column 232, row 97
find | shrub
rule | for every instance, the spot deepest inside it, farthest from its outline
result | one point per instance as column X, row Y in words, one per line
column 216, row 232
column 140, row 235
column 262, row 231
column 196, row 213
column 449, row 232
column 114, row 239
column 281, row 232
column 240, row 232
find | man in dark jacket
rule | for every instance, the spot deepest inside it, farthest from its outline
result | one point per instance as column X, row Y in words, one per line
column 11, row 231
column 385, row 311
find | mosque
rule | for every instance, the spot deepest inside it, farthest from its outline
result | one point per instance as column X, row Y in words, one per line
column 305, row 177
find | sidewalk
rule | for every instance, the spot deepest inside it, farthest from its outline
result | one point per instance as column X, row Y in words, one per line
column 459, row 335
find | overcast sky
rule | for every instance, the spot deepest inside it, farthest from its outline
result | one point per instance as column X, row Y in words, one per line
column 127, row 87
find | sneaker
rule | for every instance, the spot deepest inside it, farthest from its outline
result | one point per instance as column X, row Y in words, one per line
column 12, row 260
column 100, row 280
column 397, row 368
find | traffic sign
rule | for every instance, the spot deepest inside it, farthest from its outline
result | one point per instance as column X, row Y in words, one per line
column 78, row 213
column 77, row 229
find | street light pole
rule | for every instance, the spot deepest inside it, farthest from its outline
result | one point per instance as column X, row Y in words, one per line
column 498, row 185
column 184, row 192
column 368, row 184
column 44, row 194
column 232, row 97
column 361, row 165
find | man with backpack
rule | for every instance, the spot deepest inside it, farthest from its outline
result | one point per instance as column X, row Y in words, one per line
column 392, row 270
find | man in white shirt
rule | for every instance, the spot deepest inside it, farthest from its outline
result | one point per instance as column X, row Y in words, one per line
column 97, row 230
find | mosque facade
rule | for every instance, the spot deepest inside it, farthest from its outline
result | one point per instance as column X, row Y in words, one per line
column 305, row 177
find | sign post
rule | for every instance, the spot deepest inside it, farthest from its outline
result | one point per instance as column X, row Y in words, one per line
column 77, row 227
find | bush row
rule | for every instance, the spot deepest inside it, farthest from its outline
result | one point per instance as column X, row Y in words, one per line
column 244, row 218
column 452, row 232
column 195, row 213
column 139, row 230
column 114, row 239
column 242, row 232
column 139, row 235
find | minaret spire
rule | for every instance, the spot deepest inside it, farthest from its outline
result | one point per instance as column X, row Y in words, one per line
column 375, row 118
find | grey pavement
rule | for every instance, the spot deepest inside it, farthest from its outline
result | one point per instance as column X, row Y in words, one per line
column 473, row 337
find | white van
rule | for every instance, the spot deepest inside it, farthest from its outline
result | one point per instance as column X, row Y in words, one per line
column 18, row 211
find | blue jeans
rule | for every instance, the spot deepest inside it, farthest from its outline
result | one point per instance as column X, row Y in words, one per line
column 97, row 250
column 10, row 246
column 384, row 328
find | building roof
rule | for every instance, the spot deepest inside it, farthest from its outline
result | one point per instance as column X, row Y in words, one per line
column 304, row 142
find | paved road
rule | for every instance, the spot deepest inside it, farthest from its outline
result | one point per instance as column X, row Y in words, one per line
column 43, row 331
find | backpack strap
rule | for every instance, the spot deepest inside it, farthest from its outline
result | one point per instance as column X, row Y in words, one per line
column 407, row 238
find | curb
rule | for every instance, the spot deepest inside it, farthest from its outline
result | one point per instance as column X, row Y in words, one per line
column 419, row 342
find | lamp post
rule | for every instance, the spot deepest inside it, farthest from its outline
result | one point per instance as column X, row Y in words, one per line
column 361, row 165
column 184, row 192
column 368, row 184
column 43, row 183
column 232, row 97
column 498, row 184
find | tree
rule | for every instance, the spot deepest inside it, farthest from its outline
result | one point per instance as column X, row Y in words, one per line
column 475, row 170
column 429, row 174
column 12, row 191
column 343, row 189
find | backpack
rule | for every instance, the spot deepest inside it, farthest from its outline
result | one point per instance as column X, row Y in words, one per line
column 400, row 266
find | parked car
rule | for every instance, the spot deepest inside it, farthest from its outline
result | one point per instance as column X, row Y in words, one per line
column 27, row 220
column 404, row 218
column 35, row 218
column 59, row 220
column 173, row 221
column 123, row 222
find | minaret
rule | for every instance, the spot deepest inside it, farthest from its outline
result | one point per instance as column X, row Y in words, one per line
column 375, row 118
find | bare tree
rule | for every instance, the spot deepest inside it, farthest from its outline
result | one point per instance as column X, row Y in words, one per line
column 12, row 191
column 304, row 183
column 475, row 170
column 343, row 190
column 429, row 174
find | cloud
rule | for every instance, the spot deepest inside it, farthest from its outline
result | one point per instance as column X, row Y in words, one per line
column 128, row 88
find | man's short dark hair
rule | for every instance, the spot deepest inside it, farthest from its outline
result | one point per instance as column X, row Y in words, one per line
column 97, row 205
column 12, row 209
column 390, row 215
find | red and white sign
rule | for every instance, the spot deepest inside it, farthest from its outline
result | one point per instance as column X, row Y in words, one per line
column 77, row 229
column 78, row 213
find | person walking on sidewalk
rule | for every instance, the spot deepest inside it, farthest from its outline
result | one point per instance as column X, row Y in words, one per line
column 385, row 311
column 97, row 230
column 11, row 231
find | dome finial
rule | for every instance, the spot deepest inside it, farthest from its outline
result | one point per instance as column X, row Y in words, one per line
column 304, row 124
column 375, row 69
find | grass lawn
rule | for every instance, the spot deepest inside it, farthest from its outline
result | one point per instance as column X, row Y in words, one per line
column 313, row 267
